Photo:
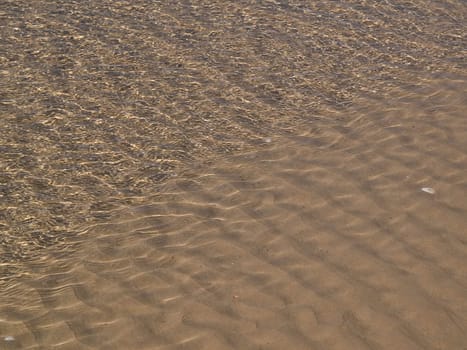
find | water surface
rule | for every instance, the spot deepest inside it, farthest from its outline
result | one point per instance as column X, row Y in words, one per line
column 233, row 175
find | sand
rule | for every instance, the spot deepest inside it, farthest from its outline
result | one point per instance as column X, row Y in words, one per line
column 245, row 199
column 323, row 240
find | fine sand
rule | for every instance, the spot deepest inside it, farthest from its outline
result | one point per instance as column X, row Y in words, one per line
column 251, row 174
column 321, row 240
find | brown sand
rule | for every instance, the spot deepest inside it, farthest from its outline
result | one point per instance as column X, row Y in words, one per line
column 322, row 240
column 233, row 175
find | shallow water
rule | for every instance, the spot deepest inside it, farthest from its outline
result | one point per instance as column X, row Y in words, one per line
column 233, row 175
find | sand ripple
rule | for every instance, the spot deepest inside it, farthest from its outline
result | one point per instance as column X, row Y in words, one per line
column 322, row 240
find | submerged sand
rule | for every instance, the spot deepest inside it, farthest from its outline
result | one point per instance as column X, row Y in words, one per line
column 322, row 240
column 248, row 175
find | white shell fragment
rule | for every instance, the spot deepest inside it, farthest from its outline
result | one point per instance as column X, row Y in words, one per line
column 9, row 338
column 428, row 190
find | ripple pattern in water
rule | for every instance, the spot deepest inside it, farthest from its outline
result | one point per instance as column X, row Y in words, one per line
column 319, row 240
column 225, row 175
column 101, row 101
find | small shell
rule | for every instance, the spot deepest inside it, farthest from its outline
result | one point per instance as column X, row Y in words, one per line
column 428, row 190
column 9, row 338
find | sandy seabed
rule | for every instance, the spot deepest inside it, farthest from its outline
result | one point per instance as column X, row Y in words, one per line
column 245, row 175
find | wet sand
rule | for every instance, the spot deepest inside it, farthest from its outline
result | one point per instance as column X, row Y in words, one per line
column 283, row 175
column 321, row 240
